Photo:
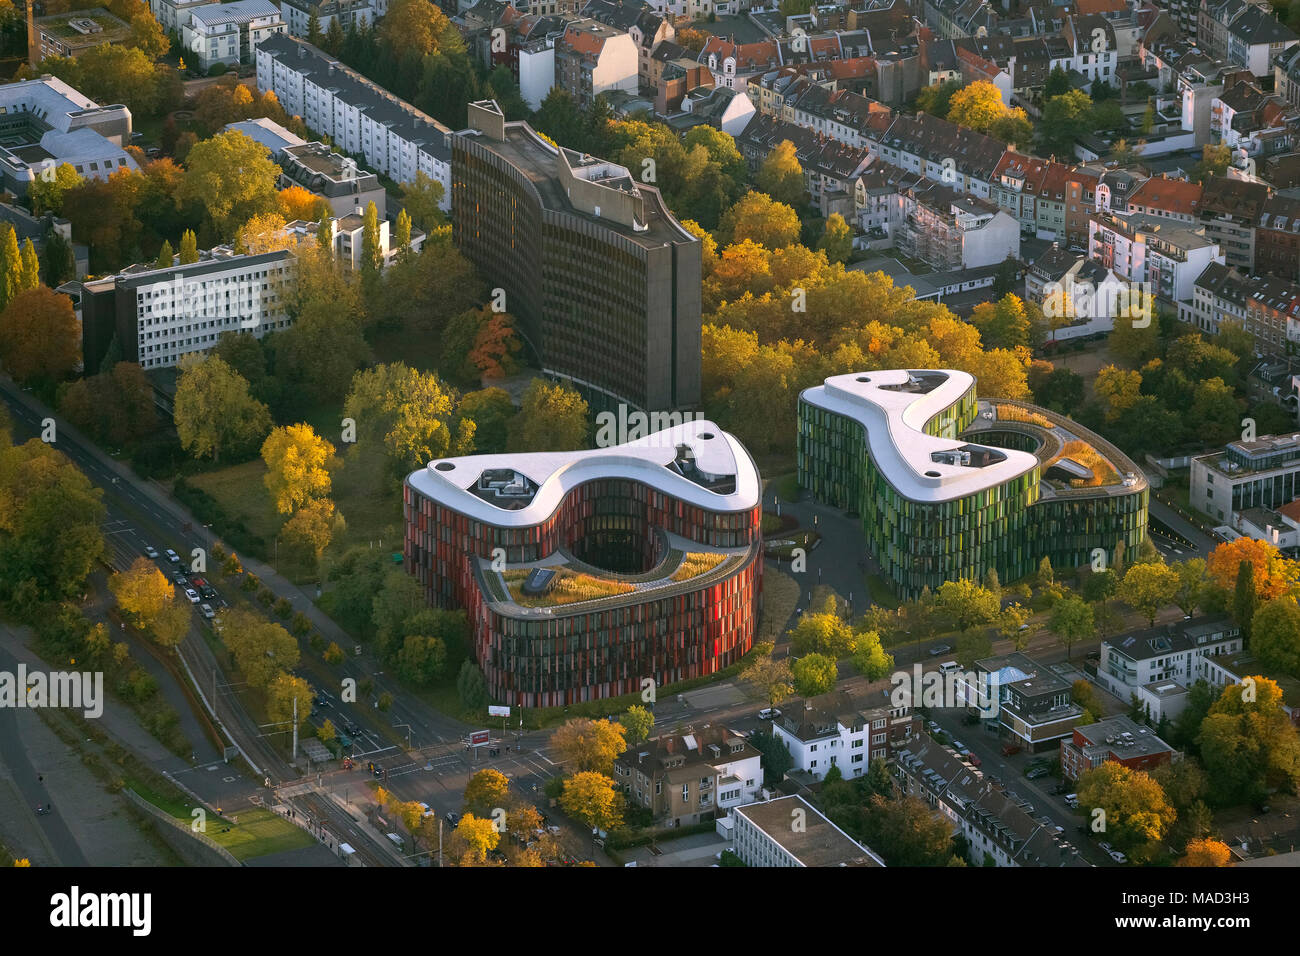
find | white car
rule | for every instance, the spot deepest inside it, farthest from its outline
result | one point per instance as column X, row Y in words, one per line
column 150, row 551
column 193, row 595
column 425, row 810
column 172, row 556
column 206, row 611
column 960, row 747
column 768, row 713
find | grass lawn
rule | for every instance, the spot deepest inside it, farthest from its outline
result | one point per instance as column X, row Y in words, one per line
column 367, row 497
column 259, row 832
column 880, row 591
column 780, row 598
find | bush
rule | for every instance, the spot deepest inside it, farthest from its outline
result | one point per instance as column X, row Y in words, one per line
column 283, row 609
column 333, row 653
column 250, row 584
column 218, row 69
column 266, row 597
column 302, row 626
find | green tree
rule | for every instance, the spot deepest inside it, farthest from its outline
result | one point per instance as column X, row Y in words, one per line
column 1192, row 585
column 1065, row 118
column 552, row 417
column 639, row 722
column 837, row 239
column 233, row 178
column 773, row 678
column 814, row 674
column 1248, row 744
column 189, row 248
column 472, row 687
column 967, row 603
column 1149, row 587
column 214, row 412
column 45, row 194
column 1275, row 635
column 1071, row 620
column 421, row 199
column 870, row 659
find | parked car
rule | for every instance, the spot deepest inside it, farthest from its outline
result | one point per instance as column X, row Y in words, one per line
column 193, row 595
column 425, row 809
column 180, row 580
column 172, row 556
column 150, row 551
column 1033, row 773
column 958, row 746
column 940, row 649
column 769, row 713
column 206, row 611
column 452, row 817
column 973, row 758
column 209, row 594
column 932, row 726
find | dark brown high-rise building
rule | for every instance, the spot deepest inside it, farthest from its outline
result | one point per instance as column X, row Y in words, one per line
column 604, row 282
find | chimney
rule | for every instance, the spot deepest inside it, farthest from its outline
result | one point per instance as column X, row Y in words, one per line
column 668, row 743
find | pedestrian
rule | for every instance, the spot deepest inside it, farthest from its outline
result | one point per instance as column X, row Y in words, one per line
column 40, row 778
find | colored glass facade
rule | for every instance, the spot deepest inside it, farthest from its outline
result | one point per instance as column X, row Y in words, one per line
column 595, row 649
column 1008, row 526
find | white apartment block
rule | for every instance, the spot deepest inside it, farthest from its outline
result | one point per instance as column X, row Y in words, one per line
column 1158, row 663
column 172, row 15
column 360, row 117
column 834, row 731
column 161, row 315
column 349, row 13
column 230, row 32
column 765, row 835
column 1167, row 256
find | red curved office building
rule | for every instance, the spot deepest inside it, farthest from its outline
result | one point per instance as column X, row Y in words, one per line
column 586, row 574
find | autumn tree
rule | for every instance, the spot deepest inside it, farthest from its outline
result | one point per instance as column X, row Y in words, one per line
column 870, row 658
column 264, row 232
column 585, row 744
column 214, row 412
column 1136, row 811
column 781, row 175
column 1149, row 587
column 497, row 346
column 486, row 791
column 261, row 648
column 976, row 105
column 189, row 252
column 759, row 217
column 773, row 678
column 299, row 203
column 825, row 632
column 1247, row 743
column 837, row 239
column 286, row 691
column 592, row 798
column 141, row 592
column 1273, row 574
column 552, row 417
column 479, row 835
column 298, row 463
column 311, row 528
column 1205, row 852
column 40, row 338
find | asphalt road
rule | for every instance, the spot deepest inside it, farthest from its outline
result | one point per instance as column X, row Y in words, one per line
column 14, row 755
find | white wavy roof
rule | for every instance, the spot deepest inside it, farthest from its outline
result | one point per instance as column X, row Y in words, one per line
column 557, row 473
column 894, row 424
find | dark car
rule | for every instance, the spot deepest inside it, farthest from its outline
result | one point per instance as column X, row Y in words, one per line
column 452, row 817
column 1033, row 773
column 353, row 729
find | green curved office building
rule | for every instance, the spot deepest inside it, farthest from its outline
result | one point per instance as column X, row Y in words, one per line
column 948, row 486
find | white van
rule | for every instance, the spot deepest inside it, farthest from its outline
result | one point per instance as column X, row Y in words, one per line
column 948, row 667
column 397, row 841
